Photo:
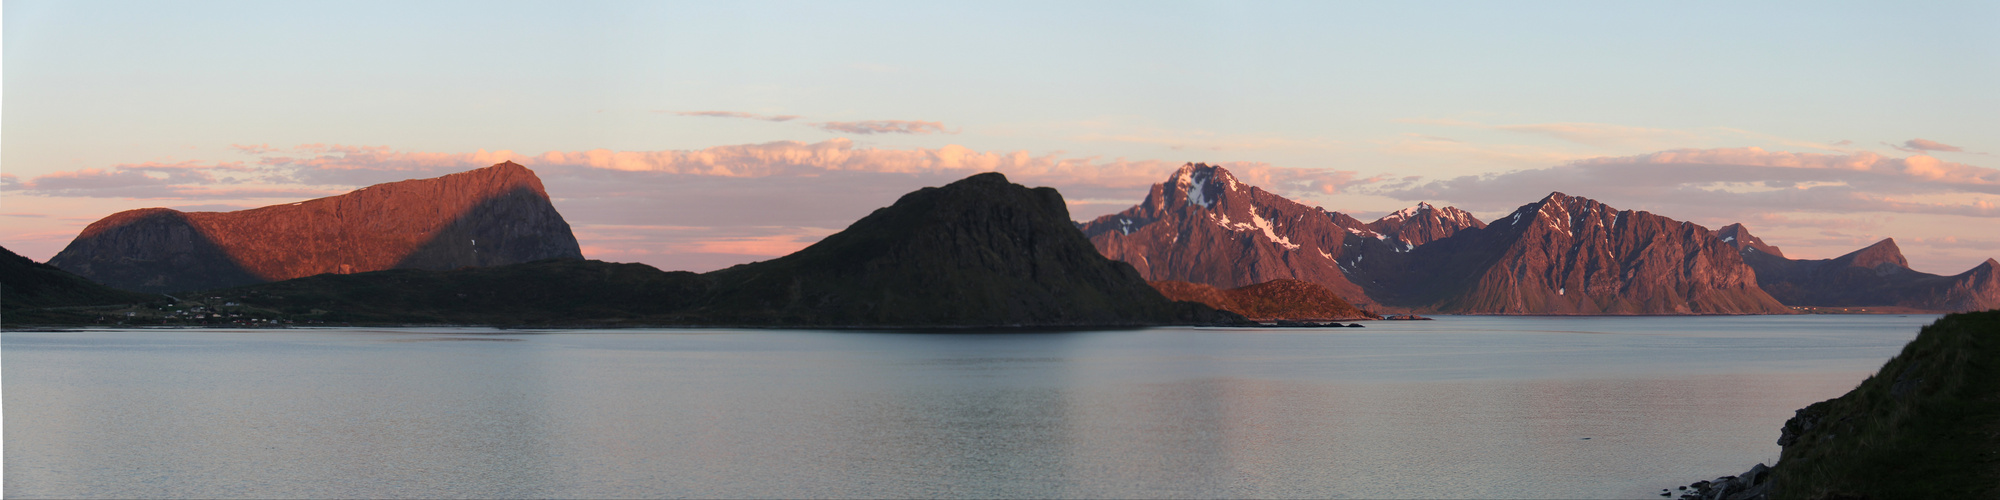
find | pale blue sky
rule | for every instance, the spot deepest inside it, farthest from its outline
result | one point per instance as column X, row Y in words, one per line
column 1380, row 89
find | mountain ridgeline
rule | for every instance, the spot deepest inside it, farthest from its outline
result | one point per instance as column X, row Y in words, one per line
column 980, row 252
column 1560, row 255
column 1874, row 276
column 487, row 247
column 489, row 216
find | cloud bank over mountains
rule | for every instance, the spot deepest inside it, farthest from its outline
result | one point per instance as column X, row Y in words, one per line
column 712, row 207
column 1731, row 180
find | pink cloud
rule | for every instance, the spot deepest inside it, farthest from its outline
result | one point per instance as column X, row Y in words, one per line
column 1921, row 145
column 738, row 114
column 1727, row 182
column 253, row 149
column 1918, row 168
column 883, row 127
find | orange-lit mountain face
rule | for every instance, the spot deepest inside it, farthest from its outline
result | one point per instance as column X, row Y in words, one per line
column 489, row 216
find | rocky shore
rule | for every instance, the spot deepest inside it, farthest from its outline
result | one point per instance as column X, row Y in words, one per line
column 1754, row 484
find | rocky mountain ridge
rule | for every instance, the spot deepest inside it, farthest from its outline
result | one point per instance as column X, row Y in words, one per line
column 1874, row 276
column 1203, row 226
column 1560, row 255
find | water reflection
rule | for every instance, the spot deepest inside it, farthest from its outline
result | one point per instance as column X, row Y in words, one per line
column 1480, row 407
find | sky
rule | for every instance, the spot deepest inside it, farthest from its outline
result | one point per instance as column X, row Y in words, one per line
column 698, row 135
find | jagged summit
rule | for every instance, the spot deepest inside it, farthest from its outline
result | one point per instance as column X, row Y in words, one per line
column 1737, row 234
column 1202, row 225
column 488, row 216
column 1567, row 254
column 1422, row 224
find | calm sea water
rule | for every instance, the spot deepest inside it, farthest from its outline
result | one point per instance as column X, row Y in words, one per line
column 1458, row 407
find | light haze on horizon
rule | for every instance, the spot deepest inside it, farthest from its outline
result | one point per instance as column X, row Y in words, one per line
column 1870, row 120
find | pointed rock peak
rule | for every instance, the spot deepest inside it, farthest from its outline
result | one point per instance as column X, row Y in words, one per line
column 1989, row 264
column 1882, row 252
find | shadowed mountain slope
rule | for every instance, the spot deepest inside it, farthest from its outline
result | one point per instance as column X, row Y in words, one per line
column 1875, row 276
column 25, row 284
column 489, row 216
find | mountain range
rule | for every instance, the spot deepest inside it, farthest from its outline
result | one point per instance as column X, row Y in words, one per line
column 486, row 246
column 1560, row 255
column 1874, row 276
column 980, row 252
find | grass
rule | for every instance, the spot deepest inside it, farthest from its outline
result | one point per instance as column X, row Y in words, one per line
column 1927, row 425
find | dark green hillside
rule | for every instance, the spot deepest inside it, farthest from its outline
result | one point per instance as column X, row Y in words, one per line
column 546, row 292
column 1926, row 426
column 34, row 293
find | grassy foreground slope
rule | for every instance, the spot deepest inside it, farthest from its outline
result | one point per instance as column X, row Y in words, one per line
column 1926, row 426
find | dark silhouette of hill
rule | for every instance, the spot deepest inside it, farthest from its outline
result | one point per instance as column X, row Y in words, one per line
column 32, row 292
column 26, row 284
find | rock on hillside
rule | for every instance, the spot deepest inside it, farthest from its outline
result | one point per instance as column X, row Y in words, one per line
column 1279, row 299
column 1568, row 255
column 978, row 252
column 1875, row 276
column 1203, row 226
column 489, row 216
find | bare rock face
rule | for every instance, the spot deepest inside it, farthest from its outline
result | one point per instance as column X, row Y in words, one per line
column 1875, row 276
column 489, row 216
column 1424, row 223
column 1740, row 236
column 1203, row 226
column 1569, row 255
column 1279, row 299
